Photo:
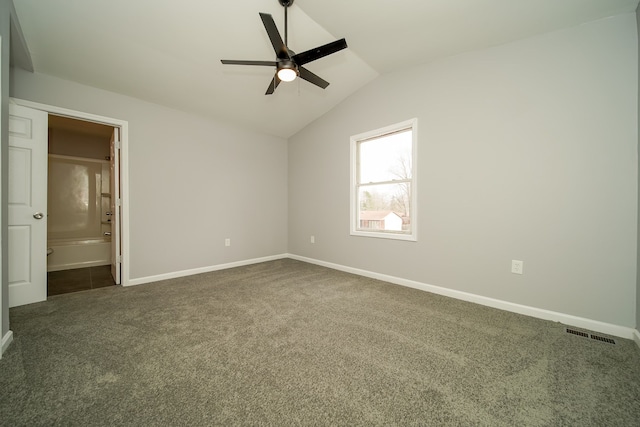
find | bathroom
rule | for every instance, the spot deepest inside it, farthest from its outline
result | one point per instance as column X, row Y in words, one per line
column 79, row 205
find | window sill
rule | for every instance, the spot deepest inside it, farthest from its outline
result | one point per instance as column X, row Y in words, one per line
column 378, row 235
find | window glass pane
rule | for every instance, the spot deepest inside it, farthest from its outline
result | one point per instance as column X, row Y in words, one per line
column 385, row 207
column 386, row 158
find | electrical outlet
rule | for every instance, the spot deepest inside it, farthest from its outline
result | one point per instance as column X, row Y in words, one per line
column 313, row 239
column 517, row 266
column 227, row 242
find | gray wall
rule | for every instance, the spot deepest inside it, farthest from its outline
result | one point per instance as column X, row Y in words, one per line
column 193, row 182
column 5, row 29
column 526, row 151
column 638, row 262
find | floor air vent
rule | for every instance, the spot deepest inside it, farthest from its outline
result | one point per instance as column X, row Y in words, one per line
column 579, row 333
column 603, row 339
column 588, row 335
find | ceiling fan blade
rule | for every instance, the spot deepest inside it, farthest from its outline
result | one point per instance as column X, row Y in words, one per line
column 273, row 85
column 276, row 41
column 264, row 63
column 312, row 78
column 319, row 52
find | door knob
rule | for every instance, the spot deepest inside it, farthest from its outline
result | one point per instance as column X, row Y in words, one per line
column 38, row 215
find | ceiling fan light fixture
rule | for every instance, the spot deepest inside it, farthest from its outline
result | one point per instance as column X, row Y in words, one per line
column 287, row 73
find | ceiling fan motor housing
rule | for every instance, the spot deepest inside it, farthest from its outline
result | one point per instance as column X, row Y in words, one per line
column 286, row 3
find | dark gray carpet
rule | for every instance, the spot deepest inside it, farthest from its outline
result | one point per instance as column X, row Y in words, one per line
column 289, row 343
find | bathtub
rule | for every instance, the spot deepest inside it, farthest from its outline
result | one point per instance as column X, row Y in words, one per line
column 78, row 253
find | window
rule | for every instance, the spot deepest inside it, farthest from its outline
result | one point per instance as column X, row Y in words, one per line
column 383, row 182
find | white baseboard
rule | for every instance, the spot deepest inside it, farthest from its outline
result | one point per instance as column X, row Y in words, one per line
column 567, row 319
column 6, row 340
column 183, row 273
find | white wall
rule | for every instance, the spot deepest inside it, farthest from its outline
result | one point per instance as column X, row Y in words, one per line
column 193, row 182
column 526, row 151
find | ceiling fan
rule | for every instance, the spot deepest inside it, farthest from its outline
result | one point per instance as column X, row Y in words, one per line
column 289, row 65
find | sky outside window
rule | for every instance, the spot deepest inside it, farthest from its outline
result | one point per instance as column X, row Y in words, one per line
column 386, row 158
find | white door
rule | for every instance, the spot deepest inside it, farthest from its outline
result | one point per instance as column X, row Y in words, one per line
column 27, row 205
column 114, row 185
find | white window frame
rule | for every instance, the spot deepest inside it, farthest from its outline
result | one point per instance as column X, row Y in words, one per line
column 355, row 185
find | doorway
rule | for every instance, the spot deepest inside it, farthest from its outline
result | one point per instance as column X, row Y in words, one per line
column 119, row 204
column 79, row 215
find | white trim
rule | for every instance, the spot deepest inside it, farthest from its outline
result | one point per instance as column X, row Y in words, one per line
column 567, row 319
column 124, row 166
column 636, row 337
column 6, row 340
column 200, row 270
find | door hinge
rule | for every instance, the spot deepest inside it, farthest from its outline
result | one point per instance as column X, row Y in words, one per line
column 119, row 259
column 116, row 144
column 118, row 202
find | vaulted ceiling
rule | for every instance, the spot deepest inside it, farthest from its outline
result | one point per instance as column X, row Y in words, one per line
column 168, row 52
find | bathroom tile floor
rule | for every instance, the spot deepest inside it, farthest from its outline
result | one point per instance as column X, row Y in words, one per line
column 80, row 279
